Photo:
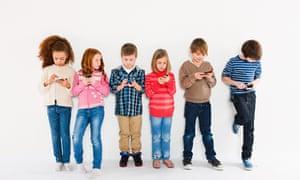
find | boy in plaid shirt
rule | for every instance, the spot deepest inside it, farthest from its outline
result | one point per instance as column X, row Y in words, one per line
column 127, row 82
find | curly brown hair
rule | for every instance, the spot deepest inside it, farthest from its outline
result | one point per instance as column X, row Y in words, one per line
column 87, row 60
column 55, row 43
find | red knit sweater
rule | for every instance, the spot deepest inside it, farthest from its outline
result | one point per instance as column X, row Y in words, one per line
column 161, row 97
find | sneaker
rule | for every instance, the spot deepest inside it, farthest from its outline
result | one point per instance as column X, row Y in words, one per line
column 95, row 173
column 216, row 164
column 124, row 159
column 168, row 163
column 68, row 166
column 247, row 164
column 187, row 164
column 59, row 166
column 137, row 159
column 235, row 128
column 81, row 168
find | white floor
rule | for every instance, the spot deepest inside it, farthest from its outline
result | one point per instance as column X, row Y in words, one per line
column 44, row 170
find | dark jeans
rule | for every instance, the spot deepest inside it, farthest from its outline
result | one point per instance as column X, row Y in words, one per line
column 202, row 111
column 245, row 108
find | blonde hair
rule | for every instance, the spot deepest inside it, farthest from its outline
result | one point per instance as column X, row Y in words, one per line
column 160, row 53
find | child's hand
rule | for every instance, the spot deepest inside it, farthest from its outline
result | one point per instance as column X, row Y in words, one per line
column 122, row 85
column 64, row 82
column 163, row 79
column 51, row 80
column 240, row 85
column 135, row 85
column 199, row 75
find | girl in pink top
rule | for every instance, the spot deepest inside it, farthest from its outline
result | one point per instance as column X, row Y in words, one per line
column 90, row 85
column 160, row 89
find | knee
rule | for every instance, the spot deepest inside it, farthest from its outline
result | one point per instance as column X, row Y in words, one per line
column 207, row 137
column 189, row 136
column 75, row 139
column 166, row 138
column 156, row 138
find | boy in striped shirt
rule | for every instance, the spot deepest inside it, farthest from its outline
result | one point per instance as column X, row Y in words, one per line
column 242, row 73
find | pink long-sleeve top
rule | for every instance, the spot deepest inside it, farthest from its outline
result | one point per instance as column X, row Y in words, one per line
column 91, row 95
column 161, row 96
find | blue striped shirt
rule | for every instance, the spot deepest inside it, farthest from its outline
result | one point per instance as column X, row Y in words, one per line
column 243, row 71
column 128, row 100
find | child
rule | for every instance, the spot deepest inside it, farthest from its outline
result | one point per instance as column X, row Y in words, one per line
column 90, row 85
column 160, row 88
column 242, row 73
column 127, row 83
column 197, row 78
column 56, row 54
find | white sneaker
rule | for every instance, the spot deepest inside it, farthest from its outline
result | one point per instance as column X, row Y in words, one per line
column 59, row 166
column 187, row 164
column 81, row 168
column 95, row 173
column 188, row 167
column 68, row 166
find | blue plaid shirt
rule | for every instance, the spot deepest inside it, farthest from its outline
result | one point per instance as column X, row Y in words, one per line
column 128, row 100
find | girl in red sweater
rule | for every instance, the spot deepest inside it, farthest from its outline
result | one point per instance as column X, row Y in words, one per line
column 160, row 89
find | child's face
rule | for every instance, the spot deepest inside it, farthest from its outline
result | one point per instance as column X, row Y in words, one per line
column 197, row 56
column 96, row 62
column 129, row 61
column 59, row 58
column 161, row 64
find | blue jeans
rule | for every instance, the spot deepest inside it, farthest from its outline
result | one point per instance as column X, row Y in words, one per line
column 202, row 111
column 161, row 131
column 245, row 108
column 94, row 117
column 59, row 120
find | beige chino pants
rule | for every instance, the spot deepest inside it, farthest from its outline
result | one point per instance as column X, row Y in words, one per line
column 130, row 133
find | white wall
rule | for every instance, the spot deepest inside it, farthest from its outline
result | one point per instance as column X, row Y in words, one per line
column 169, row 24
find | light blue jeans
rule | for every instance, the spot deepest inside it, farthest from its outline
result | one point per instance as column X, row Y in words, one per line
column 94, row 117
column 59, row 120
column 161, row 132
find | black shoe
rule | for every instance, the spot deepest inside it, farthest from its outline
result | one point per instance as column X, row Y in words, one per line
column 187, row 164
column 137, row 159
column 124, row 159
column 216, row 164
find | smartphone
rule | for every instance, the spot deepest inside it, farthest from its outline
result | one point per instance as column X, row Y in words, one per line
column 208, row 72
column 88, row 76
column 58, row 78
column 165, row 76
column 249, row 85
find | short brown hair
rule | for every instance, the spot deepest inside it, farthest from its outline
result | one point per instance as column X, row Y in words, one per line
column 129, row 49
column 252, row 49
column 199, row 44
column 160, row 53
